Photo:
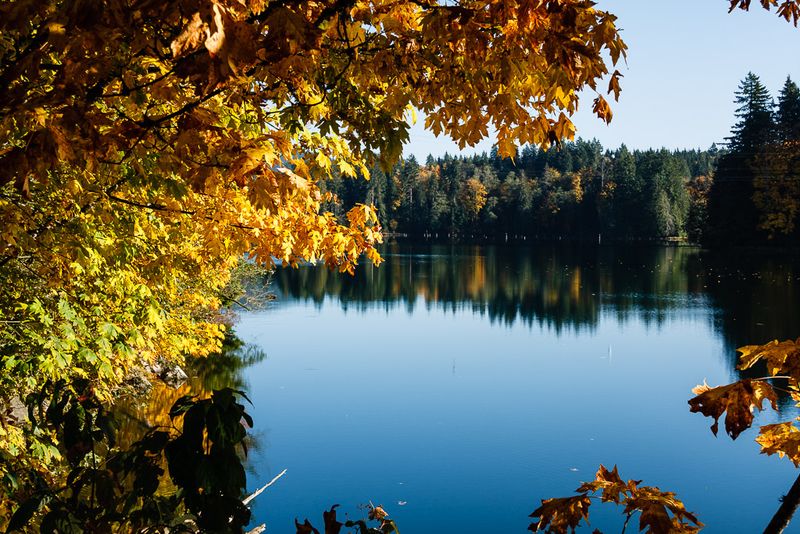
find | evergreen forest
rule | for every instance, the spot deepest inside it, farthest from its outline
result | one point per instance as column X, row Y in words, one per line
column 746, row 190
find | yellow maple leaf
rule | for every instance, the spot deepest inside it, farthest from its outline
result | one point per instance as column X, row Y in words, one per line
column 782, row 439
column 781, row 357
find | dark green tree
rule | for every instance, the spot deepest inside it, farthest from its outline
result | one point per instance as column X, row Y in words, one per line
column 627, row 194
column 787, row 116
column 755, row 124
column 732, row 215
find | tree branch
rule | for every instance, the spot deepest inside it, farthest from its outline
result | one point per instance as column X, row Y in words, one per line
column 259, row 491
column 783, row 515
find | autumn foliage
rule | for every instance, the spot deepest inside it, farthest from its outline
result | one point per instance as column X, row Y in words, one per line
column 738, row 400
column 147, row 147
column 787, row 9
column 658, row 511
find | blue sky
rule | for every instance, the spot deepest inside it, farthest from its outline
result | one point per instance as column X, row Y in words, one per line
column 685, row 60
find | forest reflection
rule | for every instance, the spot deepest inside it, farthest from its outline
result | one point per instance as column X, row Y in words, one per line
column 752, row 297
column 749, row 298
column 137, row 414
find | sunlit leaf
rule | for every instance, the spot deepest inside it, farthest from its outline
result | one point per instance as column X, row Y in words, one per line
column 738, row 400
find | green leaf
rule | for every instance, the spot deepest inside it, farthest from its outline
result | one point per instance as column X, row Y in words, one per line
column 25, row 512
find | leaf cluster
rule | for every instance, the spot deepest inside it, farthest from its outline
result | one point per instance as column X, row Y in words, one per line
column 107, row 489
column 659, row 512
column 787, row 9
column 740, row 399
column 333, row 526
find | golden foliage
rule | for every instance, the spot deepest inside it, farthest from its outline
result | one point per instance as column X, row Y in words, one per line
column 660, row 512
column 472, row 196
column 147, row 147
column 781, row 357
column 561, row 515
column 782, row 439
column 612, row 486
column 739, row 399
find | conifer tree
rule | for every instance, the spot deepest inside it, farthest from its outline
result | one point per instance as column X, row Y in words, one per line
column 755, row 125
column 732, row 215
column 787, row 116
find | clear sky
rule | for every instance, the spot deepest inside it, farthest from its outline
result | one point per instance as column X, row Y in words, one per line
column 685, row 60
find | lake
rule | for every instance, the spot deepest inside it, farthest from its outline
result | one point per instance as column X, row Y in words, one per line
column 459, row 385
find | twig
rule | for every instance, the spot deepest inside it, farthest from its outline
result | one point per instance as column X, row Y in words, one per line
column 259, row 491
column 763, row 378
column 627, row 519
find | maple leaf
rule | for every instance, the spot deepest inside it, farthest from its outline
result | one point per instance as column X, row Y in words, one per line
column 737, row 399
column 655, row 507
column 614, row 489
column 561, row 515
column 613, row 84
column 660, row 511
column 602, row 109
column 781, row 357
column 332, row 526
column 782, row 439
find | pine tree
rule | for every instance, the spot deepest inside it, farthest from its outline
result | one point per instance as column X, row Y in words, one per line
column 627, row 194
column 755, row 126
column 732, row 215
column 787, row 116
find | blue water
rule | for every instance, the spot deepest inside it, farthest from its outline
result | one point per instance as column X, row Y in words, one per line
column 459, row 386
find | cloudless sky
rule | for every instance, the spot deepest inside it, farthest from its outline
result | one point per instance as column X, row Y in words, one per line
column 685, row 60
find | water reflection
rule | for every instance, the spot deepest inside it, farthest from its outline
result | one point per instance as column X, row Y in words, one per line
column 139, row 413
column 753, row 296
column 756, row 297
column 516, row 342
column 504, row 374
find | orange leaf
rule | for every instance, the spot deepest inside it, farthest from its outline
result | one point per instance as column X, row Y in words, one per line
column 561, row 515
column 737, row 399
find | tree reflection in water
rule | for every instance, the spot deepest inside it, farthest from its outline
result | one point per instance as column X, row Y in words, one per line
column 752, row 295
column 137, row 414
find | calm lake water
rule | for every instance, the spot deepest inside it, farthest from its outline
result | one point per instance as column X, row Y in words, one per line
column 459, row 385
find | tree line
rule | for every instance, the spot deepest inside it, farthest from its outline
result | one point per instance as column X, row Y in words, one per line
column 746, row 190
column 577, row 189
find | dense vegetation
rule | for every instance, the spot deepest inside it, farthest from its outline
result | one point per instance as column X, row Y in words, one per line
column 748, row 192
column 147, row 147
column 756, row 192
column 574, row 190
